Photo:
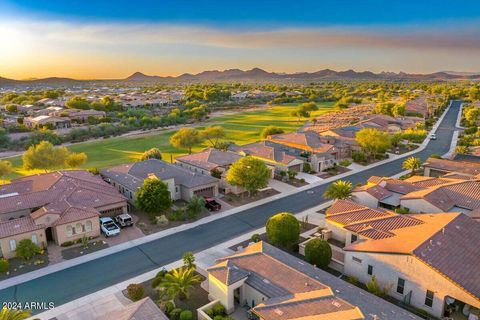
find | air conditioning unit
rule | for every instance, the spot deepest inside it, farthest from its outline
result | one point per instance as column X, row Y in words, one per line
column 326, row 234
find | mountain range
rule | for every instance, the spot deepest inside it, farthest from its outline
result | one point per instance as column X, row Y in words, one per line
column 253, row 75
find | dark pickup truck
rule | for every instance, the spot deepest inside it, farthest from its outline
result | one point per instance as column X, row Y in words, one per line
column 212, row 205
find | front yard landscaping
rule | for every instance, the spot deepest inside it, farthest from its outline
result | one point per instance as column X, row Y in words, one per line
column 80, row 250
column 18, row 266
column 241, row 199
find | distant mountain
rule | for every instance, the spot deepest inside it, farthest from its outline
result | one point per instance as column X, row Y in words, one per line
column 253, row 75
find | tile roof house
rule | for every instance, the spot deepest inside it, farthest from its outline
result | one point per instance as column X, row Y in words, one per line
column 208, row 160
column 274, row 156
column 181, row 182
column 439, row 167
column 57, row 206
column 388, row 192
column 431, row 264
column 51, row 121
column 144, row 309
column 279, row 286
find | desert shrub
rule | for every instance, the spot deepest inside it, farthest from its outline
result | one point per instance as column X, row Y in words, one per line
column 470, row 130
column 353, row 280
column 218, row 310
column 175, row 314
column 402, row 210
column 359, row 157
column 4, row 265
column 26, row 249
column 158, row 278
column 307, row 168
column 186, row 315
column 168, row 307
column 255, row 237
column 414, row 135
column 375, row 288
column 135, row 291
column 345, row 163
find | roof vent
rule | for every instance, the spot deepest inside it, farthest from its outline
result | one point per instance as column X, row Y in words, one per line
column 266, row 281
column 336, row 304
column 278, row 311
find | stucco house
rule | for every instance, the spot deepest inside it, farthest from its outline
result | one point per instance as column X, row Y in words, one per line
column 181, row 182
column 278, row 286
column 42, row 121
column 276, row 159
column 431, row 264
column 209, row 161
column 54, row 207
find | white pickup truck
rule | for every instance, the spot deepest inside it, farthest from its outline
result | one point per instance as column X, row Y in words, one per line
column 108, row 227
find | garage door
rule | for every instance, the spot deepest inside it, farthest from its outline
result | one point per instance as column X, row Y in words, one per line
column 206, row 192
column 295, row 168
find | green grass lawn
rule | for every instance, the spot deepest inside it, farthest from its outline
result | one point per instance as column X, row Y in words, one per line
column 241, row 128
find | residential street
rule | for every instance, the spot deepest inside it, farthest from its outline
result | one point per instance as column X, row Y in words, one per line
column 72, row 283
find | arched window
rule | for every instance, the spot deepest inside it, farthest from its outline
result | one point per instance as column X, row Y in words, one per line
column 78, row 228
column 69, row 231
column 88, row 226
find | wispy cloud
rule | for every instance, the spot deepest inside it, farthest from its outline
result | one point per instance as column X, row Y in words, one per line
column 436, row 37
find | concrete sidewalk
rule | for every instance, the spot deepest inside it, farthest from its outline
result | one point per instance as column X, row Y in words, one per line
column 114, row 249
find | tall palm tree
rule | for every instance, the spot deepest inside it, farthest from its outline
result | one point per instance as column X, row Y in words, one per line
column 10, row 314
column 178, row 282
column 340, row 189
column 412, row 163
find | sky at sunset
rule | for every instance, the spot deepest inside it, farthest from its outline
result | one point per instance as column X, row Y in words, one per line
column 112, row 39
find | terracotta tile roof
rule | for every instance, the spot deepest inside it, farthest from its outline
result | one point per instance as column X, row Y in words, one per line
column 375, row 191
column 210, row 159
column 297, row 290
column 264, row 151
column 464, row 194
column 308, row 141
column 383, row 226
column 144, row 309
column 453, row 166
column 358, row 216
column 64, row 193
column 10, row 228
column 342, row 206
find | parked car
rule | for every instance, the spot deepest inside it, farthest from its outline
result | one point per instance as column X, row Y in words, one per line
column 433, row 136
column 212, row 205
column 124, row 220
column 108, row 227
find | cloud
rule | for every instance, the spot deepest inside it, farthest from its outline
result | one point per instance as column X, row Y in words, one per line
column 463, row 37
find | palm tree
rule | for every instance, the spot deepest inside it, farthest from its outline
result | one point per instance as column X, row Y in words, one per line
column 10, row 314
column 178, row 282
column 412, row 163
column 340, row 189
column 195, row 206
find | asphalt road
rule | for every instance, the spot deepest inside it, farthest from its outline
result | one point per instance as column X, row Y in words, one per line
column 75, row 282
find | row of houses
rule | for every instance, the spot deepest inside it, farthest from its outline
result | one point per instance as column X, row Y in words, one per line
column 58, row 117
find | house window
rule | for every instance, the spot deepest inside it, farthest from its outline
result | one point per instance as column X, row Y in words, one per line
column 13, row 245
column 78, row 228
column 429, row 298
column 370, row 270
column 34, row 238
column 400, row 285
column 354, row 238
column 69, row 231
column 176, row 188
column 88, row 226
column 357, row 260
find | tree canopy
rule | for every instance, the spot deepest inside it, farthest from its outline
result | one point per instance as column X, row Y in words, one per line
column 213, row 135
column 47, row 157
column 153, row 197
column 283, row 229
column 186, row 138
column 318, row 252
column 270, row 130
column 373, row 141
column 153, row 153
column 249, row 173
